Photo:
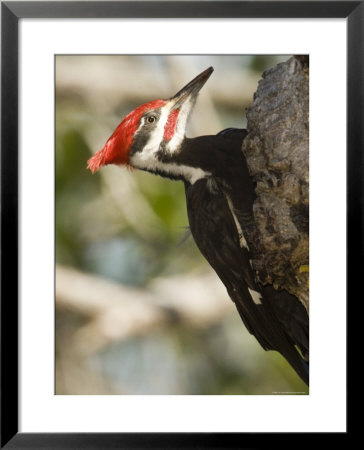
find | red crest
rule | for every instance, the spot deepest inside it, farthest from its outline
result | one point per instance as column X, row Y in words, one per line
column 116, row 150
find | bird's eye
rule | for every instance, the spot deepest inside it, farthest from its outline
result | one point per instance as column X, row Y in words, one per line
column 151, row 119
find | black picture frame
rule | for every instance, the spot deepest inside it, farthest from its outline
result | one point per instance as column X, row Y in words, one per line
column 11, row 12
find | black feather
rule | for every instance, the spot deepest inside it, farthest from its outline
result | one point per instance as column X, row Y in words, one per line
column 279, row 321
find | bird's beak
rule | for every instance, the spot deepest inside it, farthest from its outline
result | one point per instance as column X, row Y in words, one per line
column 190, row 91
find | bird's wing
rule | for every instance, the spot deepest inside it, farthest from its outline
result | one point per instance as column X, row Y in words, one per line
column 214, row 229
column 233, row 132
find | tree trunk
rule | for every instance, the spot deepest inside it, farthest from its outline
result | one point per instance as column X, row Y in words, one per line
column 276, row 149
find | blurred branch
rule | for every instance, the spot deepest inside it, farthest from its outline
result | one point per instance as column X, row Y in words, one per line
column 117, row 312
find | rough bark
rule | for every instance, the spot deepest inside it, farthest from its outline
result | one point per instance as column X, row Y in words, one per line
column 277, row 153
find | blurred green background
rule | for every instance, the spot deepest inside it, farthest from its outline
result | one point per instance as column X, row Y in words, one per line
column 138, row 309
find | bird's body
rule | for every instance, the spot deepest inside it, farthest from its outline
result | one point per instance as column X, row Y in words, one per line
column 219, row 209
column 219, row 196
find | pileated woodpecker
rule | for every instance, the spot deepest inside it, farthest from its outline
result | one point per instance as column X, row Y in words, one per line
column 220, row 197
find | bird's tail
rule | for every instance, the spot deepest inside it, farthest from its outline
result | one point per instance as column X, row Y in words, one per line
column 300, row 366
column 281, row 342
column 294, row 325
column 273, row 333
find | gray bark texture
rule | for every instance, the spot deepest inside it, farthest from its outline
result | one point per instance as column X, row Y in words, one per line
column 277, row 152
